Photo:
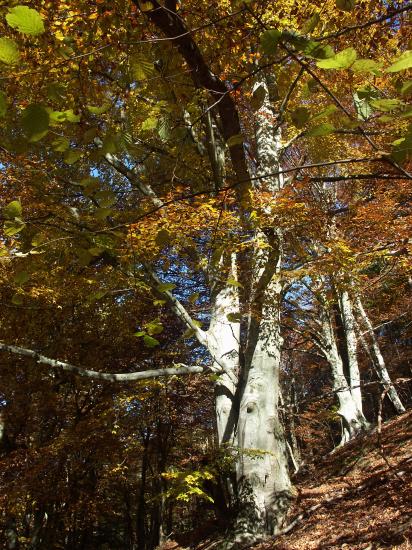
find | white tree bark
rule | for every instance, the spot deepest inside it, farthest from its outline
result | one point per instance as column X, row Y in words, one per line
column 262, row 469
column 353, row 420
column 223, row 339
column 378, row 360
column 352, row 347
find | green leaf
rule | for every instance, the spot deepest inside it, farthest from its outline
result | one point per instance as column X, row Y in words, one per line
column 387, row 105
column 311, row 24
column 321, row 130
column 96, row 250
column 35, row 120
column 406, row 88
column 141, row 67
column 300, row 116
column 269, row 41
column 330, row 110
column 341, row 60
column 90, row 185
column 297, row 40
column 3, row 104
column 56, row 91
column 21, row 277
column 105, row 198
column 12, row 210
column 403, row 146
column 26, row 20
column 188, row 333
column 150, row 342
column 366, row 66
column 193, row 298
column 313, row 85
column 13, row 227
column 58, row 117
column 17, row 298
column 407, row 112
column 154, row 327
column 146, row 6
column 318, row 51
column 9, row 52
column 163, row 127
column 72, row 156
column 110, row 143
column 234, row 317
column 84, row 257
column 89, row 135
column 60, row 144
column 102, row 213
column 362, row 98
column 216, row 255
column 98, row 110
column 403, row 62
column 165, row 287
column 345, row 5
column 95, row 296
column 149, row 124
column 38, row 239
column 233, row 282
column 162, row 237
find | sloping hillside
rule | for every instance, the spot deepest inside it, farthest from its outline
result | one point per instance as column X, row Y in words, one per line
column 360, row 497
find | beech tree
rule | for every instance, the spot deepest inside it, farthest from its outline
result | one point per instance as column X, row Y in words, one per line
column 165, row 152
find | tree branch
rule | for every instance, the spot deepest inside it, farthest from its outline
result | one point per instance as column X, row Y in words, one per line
column 177, row 370
column 388, row 15
column 178, row 308
column 173, row 27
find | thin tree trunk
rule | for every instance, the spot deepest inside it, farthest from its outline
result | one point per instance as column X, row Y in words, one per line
column 353, row 420
column 141, row 509
column 12, row 539
column 378, row 360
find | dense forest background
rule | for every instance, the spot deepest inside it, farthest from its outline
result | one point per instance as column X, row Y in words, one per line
column 205, row 261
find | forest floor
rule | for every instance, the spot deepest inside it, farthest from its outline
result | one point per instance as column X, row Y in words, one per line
column 359, row 497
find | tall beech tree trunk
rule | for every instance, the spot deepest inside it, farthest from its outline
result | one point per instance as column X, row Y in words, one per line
column 349, row 327
column 377, row 358
column 353, row 419
column 262, row 470
column 247, row 390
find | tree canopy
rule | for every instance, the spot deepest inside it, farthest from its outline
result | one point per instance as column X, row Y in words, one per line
column 204, row 257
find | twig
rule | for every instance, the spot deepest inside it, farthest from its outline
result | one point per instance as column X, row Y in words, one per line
column 387, row 15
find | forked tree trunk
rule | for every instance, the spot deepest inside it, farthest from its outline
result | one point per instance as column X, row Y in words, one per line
column 264, row 487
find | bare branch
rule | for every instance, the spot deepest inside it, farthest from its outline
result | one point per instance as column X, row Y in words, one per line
column 178, row 308
column 386, row 16
column 177, row 370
